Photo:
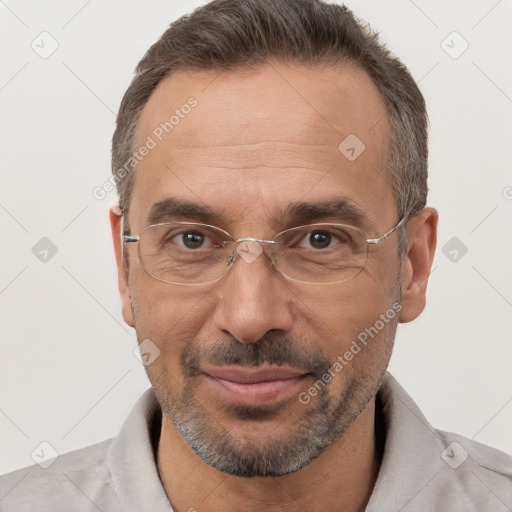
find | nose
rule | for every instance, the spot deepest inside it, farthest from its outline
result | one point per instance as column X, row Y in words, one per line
column 253, row 300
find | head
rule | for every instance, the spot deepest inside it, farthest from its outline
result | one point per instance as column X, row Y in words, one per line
column 257, row 117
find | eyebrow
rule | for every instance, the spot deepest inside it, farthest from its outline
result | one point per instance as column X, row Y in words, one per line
column 171, row 208
column 340, row 209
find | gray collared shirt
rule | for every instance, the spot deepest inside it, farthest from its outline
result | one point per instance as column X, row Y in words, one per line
column 423, row 469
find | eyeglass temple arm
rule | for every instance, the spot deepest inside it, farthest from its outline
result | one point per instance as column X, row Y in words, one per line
column 129, row 238
column 374, row 241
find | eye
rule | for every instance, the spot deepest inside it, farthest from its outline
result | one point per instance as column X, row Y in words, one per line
column 319, row 239
column 192, row 240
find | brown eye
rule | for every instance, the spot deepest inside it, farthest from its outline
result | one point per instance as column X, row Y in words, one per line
column 320, row 239
column 191, row 239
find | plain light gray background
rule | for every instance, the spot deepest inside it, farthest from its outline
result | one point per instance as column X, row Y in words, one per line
column 68, row 375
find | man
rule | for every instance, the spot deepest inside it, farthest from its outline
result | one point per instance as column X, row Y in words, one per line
column 271, row 163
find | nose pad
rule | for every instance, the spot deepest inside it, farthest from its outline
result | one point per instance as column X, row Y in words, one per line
column 249, row 250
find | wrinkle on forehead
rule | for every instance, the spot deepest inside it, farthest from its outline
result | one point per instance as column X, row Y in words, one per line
column 260, row 154
column 273, row 103
column 266, row 136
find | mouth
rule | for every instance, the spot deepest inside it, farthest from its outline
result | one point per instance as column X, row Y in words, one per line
column 254, row 386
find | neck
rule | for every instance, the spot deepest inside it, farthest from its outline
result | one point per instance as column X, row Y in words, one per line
column 342, row 478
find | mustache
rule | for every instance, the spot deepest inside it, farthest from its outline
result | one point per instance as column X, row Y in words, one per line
column 271, row 350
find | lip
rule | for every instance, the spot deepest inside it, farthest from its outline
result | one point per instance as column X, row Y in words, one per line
column 254, row 386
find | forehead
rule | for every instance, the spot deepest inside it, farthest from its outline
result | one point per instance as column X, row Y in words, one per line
column 248, row 141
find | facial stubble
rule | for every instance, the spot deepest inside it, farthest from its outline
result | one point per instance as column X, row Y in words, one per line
column 287, row 447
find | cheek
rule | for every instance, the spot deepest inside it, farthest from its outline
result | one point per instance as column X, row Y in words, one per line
column 335, row 317
column 347, row 326
column 170, row 316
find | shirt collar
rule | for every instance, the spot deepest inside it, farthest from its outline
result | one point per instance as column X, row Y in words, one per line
column 412, row 451
column 132, row 462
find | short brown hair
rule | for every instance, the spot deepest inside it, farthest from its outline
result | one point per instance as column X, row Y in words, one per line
column 229, row 34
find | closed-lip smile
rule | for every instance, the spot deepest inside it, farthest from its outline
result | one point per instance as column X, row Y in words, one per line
column 254, row 386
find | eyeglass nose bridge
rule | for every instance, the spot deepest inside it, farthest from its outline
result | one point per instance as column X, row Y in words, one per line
column 230, row 259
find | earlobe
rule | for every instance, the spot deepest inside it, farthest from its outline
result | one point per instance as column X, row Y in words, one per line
column 116, row 224
column 417, row 263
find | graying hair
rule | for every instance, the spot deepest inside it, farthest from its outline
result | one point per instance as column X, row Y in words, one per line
column 230, row 34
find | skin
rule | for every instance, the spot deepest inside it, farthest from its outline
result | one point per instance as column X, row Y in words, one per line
column 259, row 140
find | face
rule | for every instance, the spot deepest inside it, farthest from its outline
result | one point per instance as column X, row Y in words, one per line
column 258, row 373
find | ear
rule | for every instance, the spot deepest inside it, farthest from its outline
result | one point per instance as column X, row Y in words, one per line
column 116, row 224
column 422, row 234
